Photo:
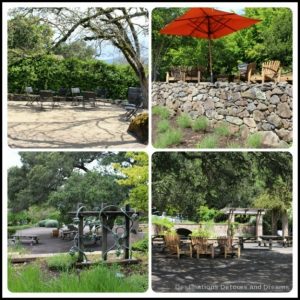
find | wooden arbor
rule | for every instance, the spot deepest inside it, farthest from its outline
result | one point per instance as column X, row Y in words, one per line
column 258, row 212
column 107, row 216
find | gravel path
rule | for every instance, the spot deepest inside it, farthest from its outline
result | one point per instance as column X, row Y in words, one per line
column 68, row 126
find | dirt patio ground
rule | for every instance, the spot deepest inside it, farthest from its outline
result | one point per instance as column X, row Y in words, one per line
column 67, row 126
column 258, row 270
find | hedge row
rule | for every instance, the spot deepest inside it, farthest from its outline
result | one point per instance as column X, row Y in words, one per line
column 53, row 72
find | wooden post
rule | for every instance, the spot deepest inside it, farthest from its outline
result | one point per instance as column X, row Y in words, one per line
column 80, row 238
column 127, row 230
column 259, row 224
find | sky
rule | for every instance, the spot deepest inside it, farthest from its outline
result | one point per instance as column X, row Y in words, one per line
column 14, row 159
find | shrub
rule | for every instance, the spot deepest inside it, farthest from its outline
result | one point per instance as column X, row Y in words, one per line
column 206, row 214
column 222, row 130
column 11, row 231
column 51, row 224
column 201, row 233
column 161, row 111
column 63, row 262
column 141, row 245
column 254, row 140
column 168, row 138
column 42, row 223
column 36, row 213
column 208, row 142
column 184, row 121
column 233, row 146
column 163, row 126
column 162, row 224
column 200, row 124
column 17, row 218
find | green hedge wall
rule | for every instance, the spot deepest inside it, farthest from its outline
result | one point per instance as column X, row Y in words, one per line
column 52, row 72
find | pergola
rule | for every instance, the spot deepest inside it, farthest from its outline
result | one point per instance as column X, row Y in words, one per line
column 258, row 212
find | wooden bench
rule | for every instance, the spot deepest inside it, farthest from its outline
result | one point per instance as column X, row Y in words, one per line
column 243, row 240
column 68, row 233
column 23, row 238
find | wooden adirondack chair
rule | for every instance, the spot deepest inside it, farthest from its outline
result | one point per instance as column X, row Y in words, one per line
column 192, row 74
column 227, row 247
column 201, row 245
column 175, row 74
column 270, row 72
column 174, row 246
column 244, row 75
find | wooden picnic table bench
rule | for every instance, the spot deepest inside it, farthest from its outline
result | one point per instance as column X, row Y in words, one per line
column 21, row 238
column 285, row 241
column 68, row 233
column 250, row 239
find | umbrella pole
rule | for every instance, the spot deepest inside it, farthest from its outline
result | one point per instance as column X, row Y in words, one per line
column 210, row 61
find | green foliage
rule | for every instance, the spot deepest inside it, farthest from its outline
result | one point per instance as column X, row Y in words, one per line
column 136, row 178
column 168, row 138
column 31, row 278
column 222, row 130
column 163, row 126
column 206, row 213
column 208, row 142
column 141, row 245
column 62, row 262
column 184, row 181
column 51, row 224
column 201, row 233
column 163, row 222
column 254, row 140
column 270, row 39
column 52, row 72
column 233, row 145
column 161, row 111
column 184, row 121
column 11, row 231
column 17, row 218
column 38, row 212
column 200, row 124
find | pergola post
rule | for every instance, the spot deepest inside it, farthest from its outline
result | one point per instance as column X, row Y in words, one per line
column 127, row 230
column 259, row 224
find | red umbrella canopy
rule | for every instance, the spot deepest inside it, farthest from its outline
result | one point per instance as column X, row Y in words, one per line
column 207, row 23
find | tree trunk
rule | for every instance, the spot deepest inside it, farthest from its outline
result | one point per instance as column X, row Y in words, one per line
column 284, row 220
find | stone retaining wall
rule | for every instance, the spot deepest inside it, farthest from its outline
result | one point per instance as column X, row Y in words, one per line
column 247, row 108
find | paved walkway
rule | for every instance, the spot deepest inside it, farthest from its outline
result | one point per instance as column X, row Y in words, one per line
column 49, row 244
column 68, row 126
column 258, row 270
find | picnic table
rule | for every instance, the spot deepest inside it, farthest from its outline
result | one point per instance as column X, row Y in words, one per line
column 22, row 238
column 286, row 241
column 68, row 234
column 243, row 240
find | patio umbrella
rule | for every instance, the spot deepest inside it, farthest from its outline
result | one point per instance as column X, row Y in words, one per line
column 207, row 23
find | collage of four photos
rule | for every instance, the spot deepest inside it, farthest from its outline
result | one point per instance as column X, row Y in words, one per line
column 150, row 149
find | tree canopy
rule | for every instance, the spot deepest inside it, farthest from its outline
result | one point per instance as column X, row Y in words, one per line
column 64, row 179
column 270, row 39
column 70, row 28
column 184, row 181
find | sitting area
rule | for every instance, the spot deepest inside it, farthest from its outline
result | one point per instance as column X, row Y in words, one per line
column 33, row 239
column 228, row 247
column 270, row 72
column 201, row 246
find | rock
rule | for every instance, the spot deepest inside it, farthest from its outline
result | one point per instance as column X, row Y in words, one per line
column 283, row 110
column 243, row 114
column 262, row 106
column 208, row 104
column 236, row 96
column 219, row 105
column 219, row 117
column 199, row 108
column 274, row 99
column 267, row 126
column 187, row 106
column 199, row 97
column 233, row 128
column 285, row 135
column 250, row 94
column 269, row 139
column 277, row 91
column 251, row 106
column 211, row 113
column 271, row 108
column 268, row 95
column 275, row 120
column 284, row 98
column 286, row 123
column 249, row 122
column 138, row 127
column 258, row 115
column 241, row 103
column 234, row 120
column 283, row 144
column 259, row 94
column 244, row 131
